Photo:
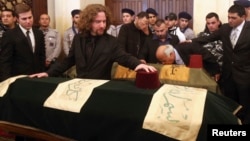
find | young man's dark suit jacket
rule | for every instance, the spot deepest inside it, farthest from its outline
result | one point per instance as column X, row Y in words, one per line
column 16, row 56
column 236, row 62
column 209, row 61
column 131, row 39
column 99, row 66
column 150, row 46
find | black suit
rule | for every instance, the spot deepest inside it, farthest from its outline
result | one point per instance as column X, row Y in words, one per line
column 150, row 46
column 236, row 63
column 16, row 56
column 131, row 39
column 98, row 66
column 209, row 61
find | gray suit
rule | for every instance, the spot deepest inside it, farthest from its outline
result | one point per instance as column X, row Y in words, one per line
column 67, row 39
column 52, row 44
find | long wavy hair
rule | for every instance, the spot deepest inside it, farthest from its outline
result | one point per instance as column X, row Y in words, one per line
column 89, row 13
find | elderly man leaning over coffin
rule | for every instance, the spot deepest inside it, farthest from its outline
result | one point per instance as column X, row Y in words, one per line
column 181, row 53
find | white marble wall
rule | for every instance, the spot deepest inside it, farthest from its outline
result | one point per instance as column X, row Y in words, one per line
column 59, row 11
column 203, row 7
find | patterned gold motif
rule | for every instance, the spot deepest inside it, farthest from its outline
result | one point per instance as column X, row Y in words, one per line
column 10, row 4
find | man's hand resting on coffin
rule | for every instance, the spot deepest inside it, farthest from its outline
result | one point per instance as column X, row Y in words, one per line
column 39, row 75
column 145, row 67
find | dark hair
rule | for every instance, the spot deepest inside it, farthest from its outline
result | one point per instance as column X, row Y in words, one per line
column 75, row 12
column 11, row 11
column 22, row 8
column 158, row 22
column 89, row 13
column 152, row 11
column 240, row 10
column 142, row 14
column 171, row 16
column 211, row 15
column 129, row 11
column 166, row 17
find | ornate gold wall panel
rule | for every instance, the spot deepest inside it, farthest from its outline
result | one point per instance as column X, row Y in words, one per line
column 10, row 4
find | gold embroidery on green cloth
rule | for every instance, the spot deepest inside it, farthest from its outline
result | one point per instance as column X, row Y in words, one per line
column 174, row 72
column 123, row 72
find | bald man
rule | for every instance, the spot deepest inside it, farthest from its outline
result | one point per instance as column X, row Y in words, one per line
column 180, row 54
column 166, row 55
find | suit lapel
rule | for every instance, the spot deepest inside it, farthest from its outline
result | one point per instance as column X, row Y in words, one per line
column 36, row 39
column 244, row 33
column 22, row 35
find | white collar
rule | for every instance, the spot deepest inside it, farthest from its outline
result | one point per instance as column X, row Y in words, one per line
column 239, row 27
column 25, row 30
column 178, row 58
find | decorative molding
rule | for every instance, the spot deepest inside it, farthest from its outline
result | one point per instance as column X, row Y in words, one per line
column 10, row 4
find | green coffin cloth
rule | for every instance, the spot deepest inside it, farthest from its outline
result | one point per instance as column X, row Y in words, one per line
column 114, row 112
column 192, row 77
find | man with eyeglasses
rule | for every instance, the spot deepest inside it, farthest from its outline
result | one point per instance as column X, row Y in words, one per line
column 152, row 17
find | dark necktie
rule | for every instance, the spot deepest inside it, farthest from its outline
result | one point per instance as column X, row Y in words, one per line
column 89, row 48
column 29, row 40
